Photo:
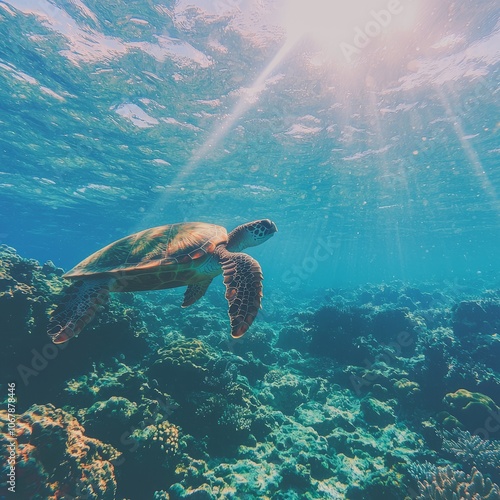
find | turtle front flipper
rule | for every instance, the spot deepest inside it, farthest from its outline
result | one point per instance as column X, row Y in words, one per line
column 195, row 292
column 243, row 280
column 77, row 308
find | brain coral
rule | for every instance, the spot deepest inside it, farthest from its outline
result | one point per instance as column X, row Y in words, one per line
column 56, row 460
column 472, row 409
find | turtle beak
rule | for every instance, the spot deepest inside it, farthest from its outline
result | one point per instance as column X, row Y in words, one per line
column 270, row 226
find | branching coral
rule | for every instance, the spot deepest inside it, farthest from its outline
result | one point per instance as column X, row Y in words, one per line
column 235, row 417
column 449, row 484
column 422, row 470
column 472, row 450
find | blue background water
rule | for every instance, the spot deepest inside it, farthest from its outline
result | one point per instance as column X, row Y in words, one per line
column 124, row 115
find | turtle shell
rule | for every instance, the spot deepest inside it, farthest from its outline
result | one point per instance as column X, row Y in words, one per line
column 170, row 245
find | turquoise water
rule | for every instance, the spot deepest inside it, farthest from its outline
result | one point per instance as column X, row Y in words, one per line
column 369, row 133
column 121, row 116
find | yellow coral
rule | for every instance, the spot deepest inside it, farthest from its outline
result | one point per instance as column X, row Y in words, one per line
column 168, row 436
column 406, row 387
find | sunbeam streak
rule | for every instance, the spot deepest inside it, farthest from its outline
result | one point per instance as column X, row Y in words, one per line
column 471, row 154
column 221, row 131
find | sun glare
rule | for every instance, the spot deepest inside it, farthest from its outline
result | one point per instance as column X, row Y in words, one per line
column 324, row 20
column 346, row 28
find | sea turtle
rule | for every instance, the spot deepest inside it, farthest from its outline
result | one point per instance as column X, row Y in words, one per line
column 190, row 253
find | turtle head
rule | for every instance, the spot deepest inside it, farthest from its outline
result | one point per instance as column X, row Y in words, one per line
column 250, row 234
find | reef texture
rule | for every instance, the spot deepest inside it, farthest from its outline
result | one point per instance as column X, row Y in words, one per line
column 385, row 391
column 471, row 450
column 447, row 483
column 55, row 459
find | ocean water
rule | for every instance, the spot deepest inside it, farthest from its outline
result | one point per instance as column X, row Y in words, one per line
column 368, row 132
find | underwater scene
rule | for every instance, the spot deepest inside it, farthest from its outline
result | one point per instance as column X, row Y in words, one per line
column 249, row 249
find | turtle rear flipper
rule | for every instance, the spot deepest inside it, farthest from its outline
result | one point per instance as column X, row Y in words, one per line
column 243, row 280
column 77, row 308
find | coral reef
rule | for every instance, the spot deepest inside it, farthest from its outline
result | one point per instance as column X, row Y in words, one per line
column 476, row 317
column 473, row 451
column 56, row 458
column 183, row 365
column 157, row 443
column 107, row 419
column 214, row 400
column 345, row 395
column 376, row 412
column 284, row 391
column 447, row 483
column 104, row 381
column 28, row 291
column 336, row 332
column 472, row 409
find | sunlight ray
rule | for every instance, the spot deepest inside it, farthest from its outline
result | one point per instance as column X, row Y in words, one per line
column 242, row 106
column 221, row 131
column 470, row 152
